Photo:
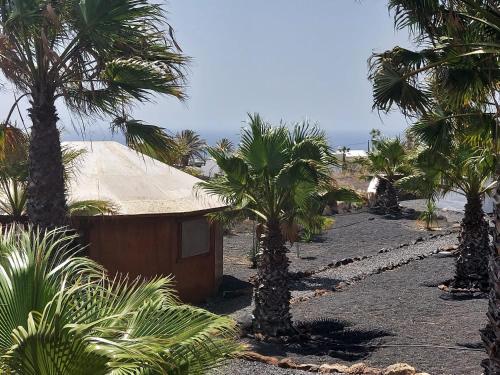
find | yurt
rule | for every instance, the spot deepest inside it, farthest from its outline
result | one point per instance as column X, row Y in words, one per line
column 160, row 226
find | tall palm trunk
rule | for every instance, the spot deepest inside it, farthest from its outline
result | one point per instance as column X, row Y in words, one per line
column 272, row 315
column 473, row 248
column 491, row 333
column 386, row 201
column 46, row 205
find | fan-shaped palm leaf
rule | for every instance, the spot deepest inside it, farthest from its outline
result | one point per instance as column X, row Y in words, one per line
column 60, row 314
column 276, row 175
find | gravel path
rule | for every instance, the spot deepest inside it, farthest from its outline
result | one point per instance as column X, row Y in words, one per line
column 353, row 235
column 388, row 309
column 330, row 278
column 404, row 309
column 394, row 316
column 240, row 307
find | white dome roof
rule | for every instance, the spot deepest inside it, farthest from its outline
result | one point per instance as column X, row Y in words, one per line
column 137, row 184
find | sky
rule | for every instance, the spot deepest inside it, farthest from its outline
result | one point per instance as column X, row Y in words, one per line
column 288, row 60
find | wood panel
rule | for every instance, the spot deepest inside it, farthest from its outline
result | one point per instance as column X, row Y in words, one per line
column 149, row 247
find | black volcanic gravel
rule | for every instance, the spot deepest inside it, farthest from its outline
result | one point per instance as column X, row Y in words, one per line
column 393, row 316
column 407, row 305
column 352, row 235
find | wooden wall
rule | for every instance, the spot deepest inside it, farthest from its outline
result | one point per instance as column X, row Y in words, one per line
column 149, row 246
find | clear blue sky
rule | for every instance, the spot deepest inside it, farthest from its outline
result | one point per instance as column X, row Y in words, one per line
column 286, row 59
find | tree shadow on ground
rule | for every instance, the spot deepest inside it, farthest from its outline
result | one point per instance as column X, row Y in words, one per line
column 234, row 294
column 327, row 337
column 455, row 296
column 466, row 296
column 472, row 345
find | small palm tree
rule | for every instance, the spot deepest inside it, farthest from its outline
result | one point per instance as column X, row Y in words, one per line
column 344, row 150
column 60, row 314
column 13, row 170
column 429, row 215
column 388, row 162
column 189, row 148
column 225, row 145
column 98, row 57
column 275, row 174
column 452, row 162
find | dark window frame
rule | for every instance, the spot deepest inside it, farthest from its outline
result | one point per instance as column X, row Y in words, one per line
column 211, row 239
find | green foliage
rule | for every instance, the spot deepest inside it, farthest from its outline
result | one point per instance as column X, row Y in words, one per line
column 457, row 62
column 182, row 150
column 453, row 156
column 147, row 139
column 229, row 217
column 13, row 170
column 314, row 226
column 99, row 56
column 429, row 216
column 189, row 147
column 60, row 314
column 14, row 144
column 450, row 85
column 225, row 145
column 276, row 174
column 92, row 208
column 389, row 159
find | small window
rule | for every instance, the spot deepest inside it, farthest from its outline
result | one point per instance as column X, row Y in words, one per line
column 195, row 237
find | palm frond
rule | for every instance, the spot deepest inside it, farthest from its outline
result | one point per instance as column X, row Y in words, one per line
column 145, row 138
column 275, row 172
column 92, row 208
column 59, row 313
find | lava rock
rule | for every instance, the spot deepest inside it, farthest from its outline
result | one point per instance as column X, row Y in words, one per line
column 332, row 369
column 308, row 367
column 399, row 369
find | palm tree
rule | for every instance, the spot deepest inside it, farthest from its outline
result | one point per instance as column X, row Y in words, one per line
column 98, row 57
column 61, row 314
column 388, row 162
column 344, row 150
column 189, row 147
column 14, row 145
column 452, row 162
column 460, row 61
column 224, row 144
column 275, row 174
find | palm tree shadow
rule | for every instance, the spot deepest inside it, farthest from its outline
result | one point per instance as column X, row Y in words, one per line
column 234, row 294
column 463, row 296
column 471, row 345
column 327, row 337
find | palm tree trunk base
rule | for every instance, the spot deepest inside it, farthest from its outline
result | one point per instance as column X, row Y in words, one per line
column 271, row 315
column 463, row 288
column 473, row 249
column 386, row 202
column 490, row 334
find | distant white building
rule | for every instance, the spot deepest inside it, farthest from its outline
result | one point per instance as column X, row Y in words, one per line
column 210, row 168
column 352, row 154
